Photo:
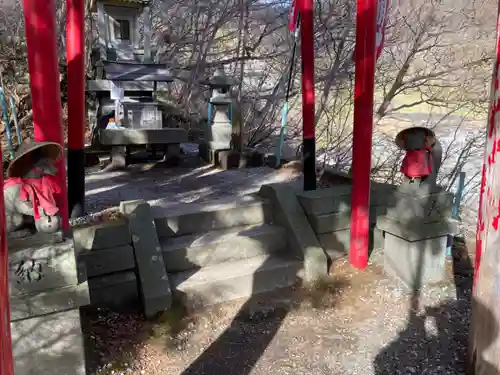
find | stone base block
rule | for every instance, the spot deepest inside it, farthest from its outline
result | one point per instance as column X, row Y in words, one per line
column 416, row 263
column 118, row 157
column 428, row 208
column 205, row 153
column 118, row 290
column 335, row 244
column 107, row 261
column 229, row 159
column 101, row 236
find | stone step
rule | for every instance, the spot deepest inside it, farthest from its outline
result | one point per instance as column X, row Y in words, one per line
column 215, row 247
column 49, row 345
column 185, row 219
column 233, row 280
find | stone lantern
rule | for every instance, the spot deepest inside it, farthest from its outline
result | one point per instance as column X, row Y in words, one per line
column 219, row 111
column 220, row 129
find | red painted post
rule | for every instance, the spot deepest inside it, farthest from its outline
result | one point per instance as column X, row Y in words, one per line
column 487, row 237
column 306, row 10
column 40, row 23
column 365, row 58
column 6, row 360
column 75, row 57
column 484, row 341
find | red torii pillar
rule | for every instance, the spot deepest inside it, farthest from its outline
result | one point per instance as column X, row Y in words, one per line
column 43, row 64
column 365, row 58
column 75, row 58
column 40, row 23
column 306, row 10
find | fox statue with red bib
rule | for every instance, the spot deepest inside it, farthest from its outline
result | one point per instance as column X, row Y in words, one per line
column 29, row 189
column 422, row 160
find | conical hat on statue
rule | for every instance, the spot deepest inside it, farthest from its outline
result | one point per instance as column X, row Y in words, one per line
column 29, row 153
column 404, row 133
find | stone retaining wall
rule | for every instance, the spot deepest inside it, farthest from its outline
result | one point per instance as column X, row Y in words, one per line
column 329, row 213
column 105, row 251
column 123, row 261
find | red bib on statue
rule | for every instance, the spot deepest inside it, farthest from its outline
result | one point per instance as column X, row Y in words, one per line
column 417, row 164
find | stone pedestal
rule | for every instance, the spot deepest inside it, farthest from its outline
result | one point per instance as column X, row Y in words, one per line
column 46, row 288
column 49, row 345
column 415, row 233
column 44, row 280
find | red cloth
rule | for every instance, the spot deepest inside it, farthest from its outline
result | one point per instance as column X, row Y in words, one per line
column 292, row 16
column 417, row 163
column 39, row 191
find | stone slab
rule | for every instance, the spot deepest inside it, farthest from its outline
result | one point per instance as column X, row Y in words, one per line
column 102, row 262
column 228, row 159
column 187, row 252
column 336, row 244
column 118, row 290
column 325, row 201
column 49, row 345
column 34, row 240
column 116, row 137
column 428, row 208
column 101, row 236
column 338, row 198
column 331, row 222
column 417, row 230
column 415, row 263
column 153, row 280
column 302, row 241
column 233, row 280
column 33, row 269
column 47, row 302
column 378, row 239
column 200, row 218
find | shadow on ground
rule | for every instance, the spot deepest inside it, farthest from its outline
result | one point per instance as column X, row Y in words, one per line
column 114, row 339
column 435, row 341
column 237, row 350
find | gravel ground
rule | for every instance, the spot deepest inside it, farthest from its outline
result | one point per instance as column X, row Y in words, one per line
column 355, row 323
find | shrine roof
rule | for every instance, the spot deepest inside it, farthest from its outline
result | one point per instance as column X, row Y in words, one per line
column 126, row 3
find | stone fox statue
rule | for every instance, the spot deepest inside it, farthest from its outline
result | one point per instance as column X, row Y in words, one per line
column 29, row 189
column 423, row 156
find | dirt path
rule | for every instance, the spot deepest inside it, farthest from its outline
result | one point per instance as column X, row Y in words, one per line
column 355, row 323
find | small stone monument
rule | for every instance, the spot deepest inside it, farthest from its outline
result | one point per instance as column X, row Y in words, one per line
column 417, row 225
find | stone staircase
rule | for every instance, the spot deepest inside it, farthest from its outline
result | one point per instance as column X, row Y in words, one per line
column 223, row 251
